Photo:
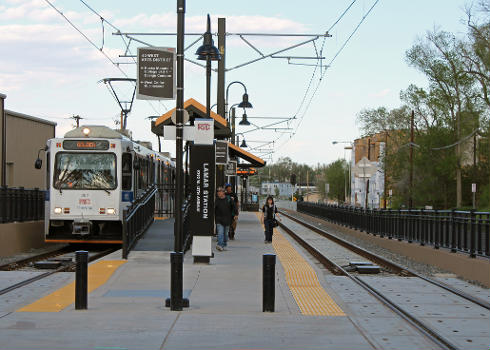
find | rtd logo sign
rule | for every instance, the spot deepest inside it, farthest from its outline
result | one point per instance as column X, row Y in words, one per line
column 203, row 127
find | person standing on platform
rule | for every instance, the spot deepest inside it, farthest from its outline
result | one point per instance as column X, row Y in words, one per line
column 229, row 193
column 224, row 213
column 269, row 214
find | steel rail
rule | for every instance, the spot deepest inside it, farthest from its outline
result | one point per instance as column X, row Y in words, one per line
column 415, row 322
column 389, row 264
column 15, row 265
column 66, row 267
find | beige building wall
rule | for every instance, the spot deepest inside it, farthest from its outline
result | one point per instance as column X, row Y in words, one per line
column 25, row 136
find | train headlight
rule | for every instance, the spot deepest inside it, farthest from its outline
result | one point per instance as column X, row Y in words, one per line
column 86, row 131
column 58, row 210
column 111, row 211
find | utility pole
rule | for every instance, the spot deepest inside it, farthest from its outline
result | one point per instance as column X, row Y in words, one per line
column 474, row 170
column 366, row 202
column 410, row 199
column 384, row 166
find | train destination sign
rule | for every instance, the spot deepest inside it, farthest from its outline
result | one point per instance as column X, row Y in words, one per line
column 97, row 145
column 156, row 73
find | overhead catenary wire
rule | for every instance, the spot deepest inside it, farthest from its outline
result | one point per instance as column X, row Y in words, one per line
column 128, row 50
column 100, row 49
column 300, row 119
column 319, row 63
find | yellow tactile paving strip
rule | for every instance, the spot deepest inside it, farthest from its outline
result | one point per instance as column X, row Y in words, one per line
column 303, row 282
column 98, row 274
column 160, row 218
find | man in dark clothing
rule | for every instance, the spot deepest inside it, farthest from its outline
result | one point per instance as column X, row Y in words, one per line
column 224, row 213
column 229, row 193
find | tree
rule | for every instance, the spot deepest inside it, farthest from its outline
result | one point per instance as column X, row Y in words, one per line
column 450, row 86
column 335, row 174
column 282, row 170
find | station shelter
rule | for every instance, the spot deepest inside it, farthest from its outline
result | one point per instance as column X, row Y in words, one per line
column 222, row 131
column 207, row 166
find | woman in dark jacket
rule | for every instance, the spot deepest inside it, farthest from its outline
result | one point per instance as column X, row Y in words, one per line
column 269, row 215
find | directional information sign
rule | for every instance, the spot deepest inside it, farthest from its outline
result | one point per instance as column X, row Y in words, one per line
column 156, row 73
column 230, row 169
column 221, row 152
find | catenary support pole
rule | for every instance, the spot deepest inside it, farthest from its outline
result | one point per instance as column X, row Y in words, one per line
column 176, row 281
column 221, row 66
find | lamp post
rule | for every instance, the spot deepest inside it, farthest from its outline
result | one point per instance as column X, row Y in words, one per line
column 208, row 52
column 245, row 103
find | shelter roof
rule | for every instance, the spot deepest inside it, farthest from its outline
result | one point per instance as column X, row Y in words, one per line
column 249, row 157
column 196, row 110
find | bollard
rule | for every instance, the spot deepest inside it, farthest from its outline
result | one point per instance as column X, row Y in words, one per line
column 268, row 282
column 176, row 302
column 81, row 283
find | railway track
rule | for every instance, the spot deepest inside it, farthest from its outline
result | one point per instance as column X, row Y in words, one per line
column 18, row 264
column 387, row 266
column 65, row 267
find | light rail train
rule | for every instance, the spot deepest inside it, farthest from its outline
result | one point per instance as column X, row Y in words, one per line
column 93, row 174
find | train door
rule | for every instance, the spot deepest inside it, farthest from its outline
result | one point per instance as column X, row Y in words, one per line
column 127, row 177
column 47, row 193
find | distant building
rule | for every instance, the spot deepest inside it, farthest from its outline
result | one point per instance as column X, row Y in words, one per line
column 25, row 135
column 285, row 188
column 368, row 150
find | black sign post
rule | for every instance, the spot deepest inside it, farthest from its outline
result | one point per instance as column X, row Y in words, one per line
column 156, row 74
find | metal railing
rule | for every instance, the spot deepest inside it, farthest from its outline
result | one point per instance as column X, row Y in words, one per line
column 20, row 204
column 164, row 204
column 249, row 207
column 464, row 231
column 137, row 218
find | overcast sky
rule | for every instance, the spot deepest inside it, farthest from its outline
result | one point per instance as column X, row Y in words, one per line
column 50, row 70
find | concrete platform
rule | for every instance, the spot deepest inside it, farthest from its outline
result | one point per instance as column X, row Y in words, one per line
column 127, row 312
column 158, row 237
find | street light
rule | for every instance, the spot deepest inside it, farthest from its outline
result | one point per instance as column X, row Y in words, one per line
column 244, row 143
column 208, row 52
column 245, row 103
column 244, row 120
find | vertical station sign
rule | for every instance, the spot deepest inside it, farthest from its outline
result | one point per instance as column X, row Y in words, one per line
column 156, row 73
column 202, row 173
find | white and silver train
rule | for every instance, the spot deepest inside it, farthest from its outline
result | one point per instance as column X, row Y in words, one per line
column 93, row 174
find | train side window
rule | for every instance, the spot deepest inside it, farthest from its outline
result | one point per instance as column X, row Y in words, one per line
column 127, row 169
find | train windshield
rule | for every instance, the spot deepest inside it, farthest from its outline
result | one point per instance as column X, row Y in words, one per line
column 85, row 171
